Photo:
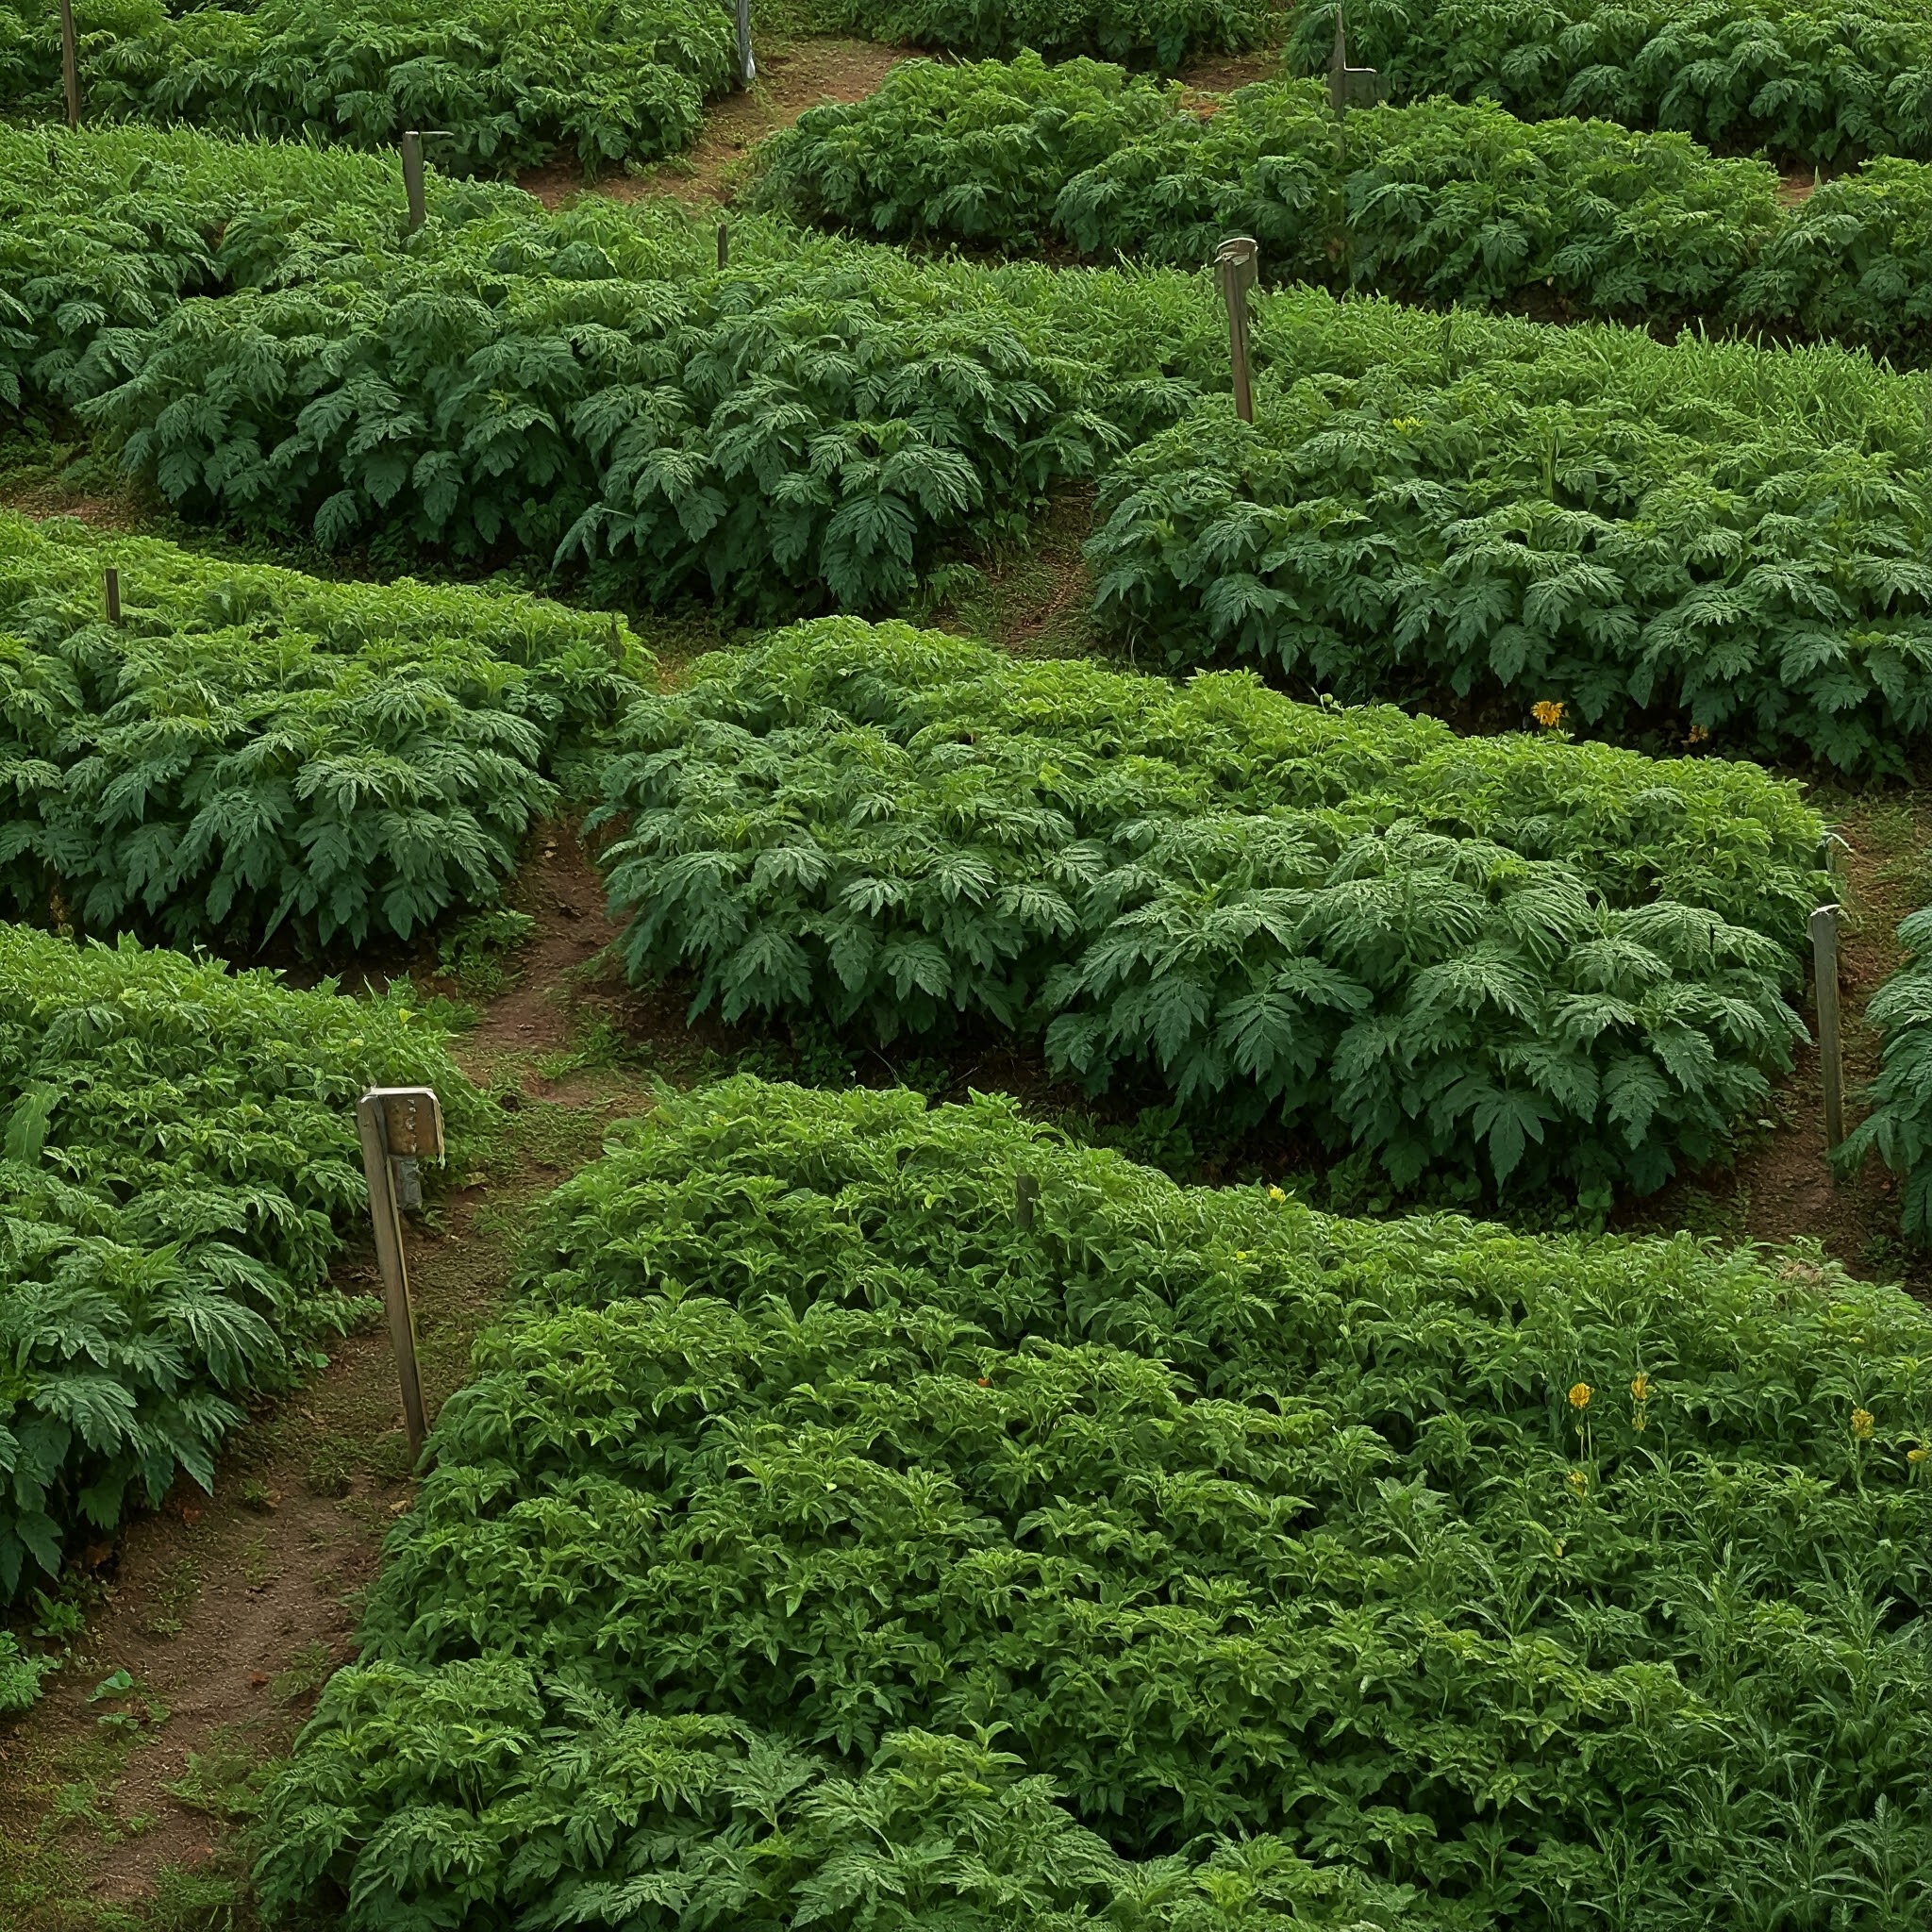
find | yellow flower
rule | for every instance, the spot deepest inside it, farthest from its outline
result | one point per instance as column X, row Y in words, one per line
column 1861, row 1424
column 1640, row 1388
column 1698, row 734
column 1579, row 1481
column 1580, row 1395
column 1917, row 1456
column 1276, row 1194
column 1548, row 713
column 1241, row 1254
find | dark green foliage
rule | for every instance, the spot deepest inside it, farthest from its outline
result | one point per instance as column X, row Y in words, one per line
column 108, row 229
column 814, row 1540
column 1815, row 80
column 1691, row 542
column 1438, row 201
column 1522, row 959
column 1157, row 33
column 614, row 80
column 809, row 428
column 1899, row 1126
column 178, row 1161
column 253, row 750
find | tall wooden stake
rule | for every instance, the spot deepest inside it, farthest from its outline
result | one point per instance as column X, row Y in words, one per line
column 412, row 178
column 1830, row 1052
column 723, row 244
column 70, row 62
column 747, row 67
column 1237, row 266
column 111, row 591
column 399, row 1126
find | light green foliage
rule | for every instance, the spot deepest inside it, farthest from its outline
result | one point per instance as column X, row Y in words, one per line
column 610, row 79
column 1693, row 540
column 808, row 426
column 1818, row 80
column 1899, row 1126
column 1523, row 959
column 252, row 749
column 1438, row 202
column 177, row 1156
column 20, row 1675
column 813, row 1540
column 108, row 229
column 1158, row 33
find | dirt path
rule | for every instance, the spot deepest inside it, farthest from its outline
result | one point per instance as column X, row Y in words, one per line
column 792, row 76
column 226, row 1611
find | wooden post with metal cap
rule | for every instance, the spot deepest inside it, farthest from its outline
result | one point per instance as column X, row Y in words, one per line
column 1237, row 267
column 399, row 1126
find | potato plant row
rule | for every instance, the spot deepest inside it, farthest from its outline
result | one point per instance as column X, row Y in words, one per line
column 1513, row 961
column 179, row 1164
column 815, row 1545
column 1659, row 542
column 1440, row 202
column 1809, row 81
column 1898, row 1128
column 504, row 86
column 251, row 751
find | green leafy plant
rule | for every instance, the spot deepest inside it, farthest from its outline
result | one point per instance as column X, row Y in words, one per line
column 1527, row 959
column 179, row 1163
column 611, row 79
column 1898, row 1128
column 1159, row 33
column 1799, row 77
column 826, row 1541
column 1673, row 542
column 251, row 749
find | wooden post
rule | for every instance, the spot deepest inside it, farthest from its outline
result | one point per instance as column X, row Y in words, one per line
column 723, row 244
column 412, row 178
column 747, row 67
column 1349, row 87
column 399, row 1126
column 110, row 589
column 70, row 63
column 1830, row 1051
column 1025, row 1195
column 1237, row 266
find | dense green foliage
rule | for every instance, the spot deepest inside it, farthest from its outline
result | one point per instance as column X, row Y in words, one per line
column 1161, row 33
column 177, row 1156
column 1689, row 541
column 621, row 80
column 1515, row 960
column 1815, row 79
column 108, row 229
column 816, row 1546
column 1899, row 1126
column 1438, row 201
column 811, row 427
column 252, row 750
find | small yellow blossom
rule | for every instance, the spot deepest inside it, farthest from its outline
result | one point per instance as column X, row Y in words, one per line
column 1580, row 1395
column 1276, row 1194
column 1917, row 1456
column 1640, row 1388
column 1861, row 1424
column 1579, row 1481
column 1548, row 713
column 1241, row 1254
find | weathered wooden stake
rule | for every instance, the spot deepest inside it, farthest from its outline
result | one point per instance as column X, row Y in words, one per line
column 1830, row 1053
column 1349, row 87
column 723, row 244
column 399, row 1126
column 412, row 178
column 110, row 589
column 1026, row 1194
column 747, row 67
column 70, row 62
column 1237, row 266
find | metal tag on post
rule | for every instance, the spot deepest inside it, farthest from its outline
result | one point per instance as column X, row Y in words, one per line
column 399, row 1126
column 1350, row 86
column 1237, row 268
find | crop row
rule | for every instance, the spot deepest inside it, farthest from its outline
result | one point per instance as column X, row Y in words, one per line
column 816, row 1543
column 614, row 80
column 1694, row 540
column 1512, row 958
column 250, row 751
column 1438, row 202
column 179, row 1159
column 1815, row 80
